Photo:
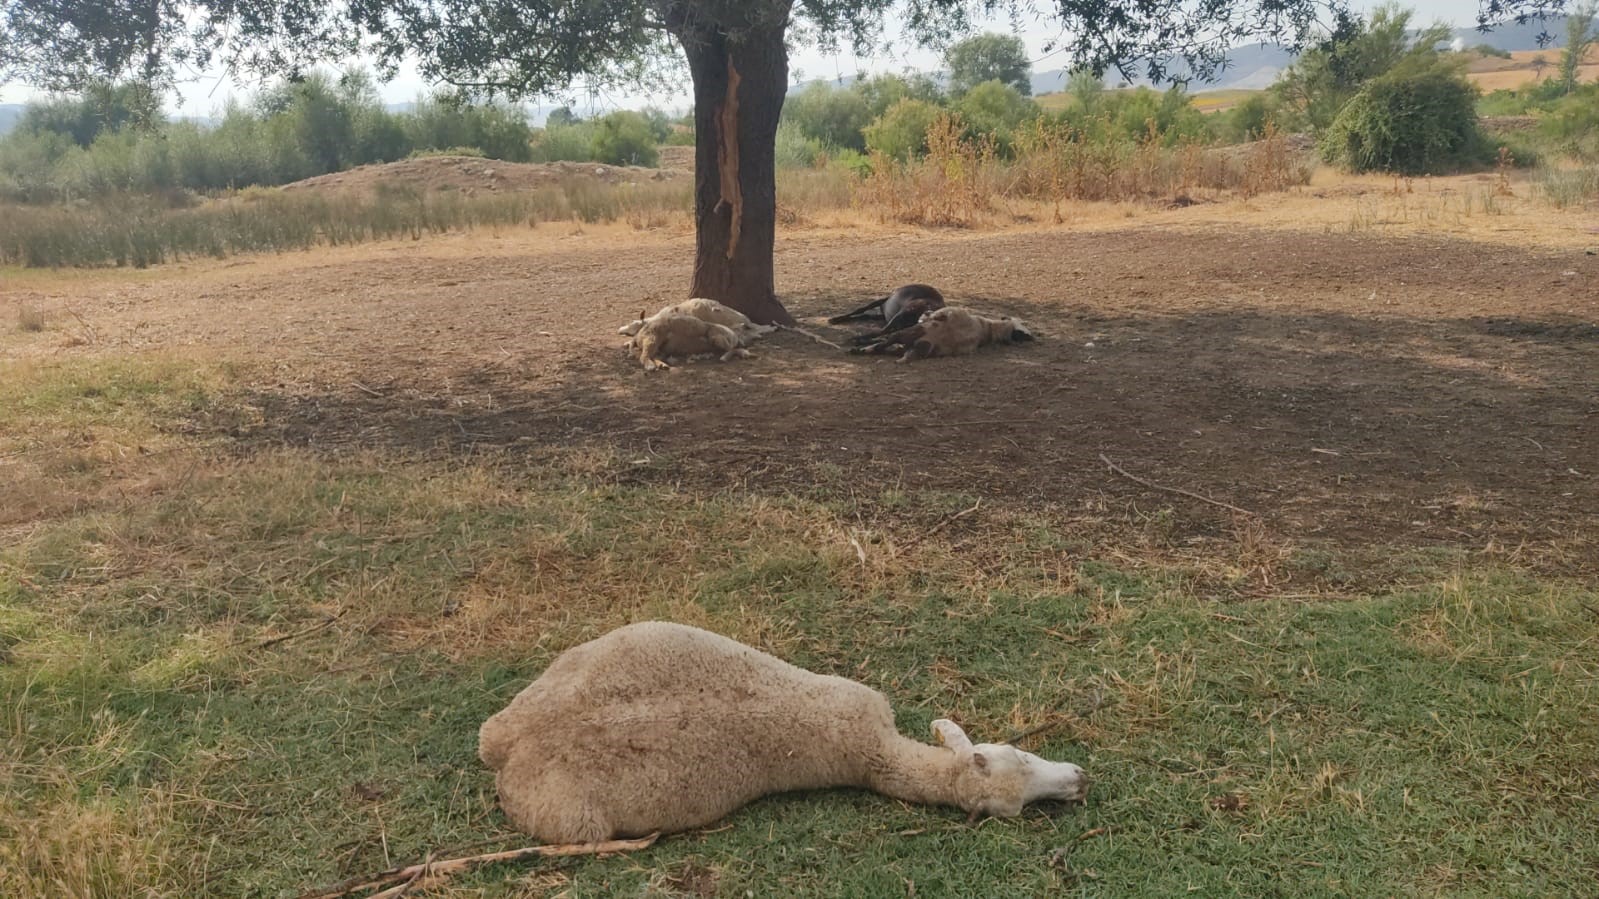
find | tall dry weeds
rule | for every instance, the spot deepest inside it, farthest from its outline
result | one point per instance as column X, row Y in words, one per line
column 954, row 185
column 960, row 182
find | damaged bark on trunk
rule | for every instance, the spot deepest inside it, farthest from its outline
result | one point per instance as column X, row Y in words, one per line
column 739, row 84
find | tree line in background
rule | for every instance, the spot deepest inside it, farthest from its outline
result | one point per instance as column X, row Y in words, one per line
column 1379, row 95
column 115, row 138
column 1382, row 95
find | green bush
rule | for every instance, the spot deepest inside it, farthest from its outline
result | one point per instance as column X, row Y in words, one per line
column 624, row 138
column 28, row 160
column 989, row 57
column 901, row 132
column 1102, row 116
column 660, row 123
column 448, row 120
column 1246, row 121
column 295, row 130
column 795, row 149
column 1410, row 124
column 857, row 164
column 832, row 117
column 565, row 143
column 996, row 108
column 1315, row 89
column 882, row 91
column 1572, row 126
column 100, row 108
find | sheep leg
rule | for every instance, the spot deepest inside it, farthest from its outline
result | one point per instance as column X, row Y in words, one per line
column 737, row 352
column 863, row 312
column 875, row 348
column 901, row 323
column 921, row 349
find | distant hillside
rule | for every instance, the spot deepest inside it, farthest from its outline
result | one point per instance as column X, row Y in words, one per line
column 1256, row 66
column 9, row 114
column 1515, row 37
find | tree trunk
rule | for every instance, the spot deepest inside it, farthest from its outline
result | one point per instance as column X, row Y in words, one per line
column 739, row 84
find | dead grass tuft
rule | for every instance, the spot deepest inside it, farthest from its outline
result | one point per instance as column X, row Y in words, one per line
column 30, row 319
column 104, row 846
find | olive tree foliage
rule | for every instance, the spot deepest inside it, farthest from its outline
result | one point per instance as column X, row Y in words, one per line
column 1321, row 81
column 989, row 57
column 736, row 50
column 101, row 107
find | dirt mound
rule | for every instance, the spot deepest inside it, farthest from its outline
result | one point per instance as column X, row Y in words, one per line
column 677, row 158
column 470, row 174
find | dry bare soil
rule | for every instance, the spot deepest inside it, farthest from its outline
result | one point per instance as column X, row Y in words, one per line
column 1384, row 389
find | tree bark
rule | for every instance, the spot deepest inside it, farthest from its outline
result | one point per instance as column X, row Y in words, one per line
column 739, row 85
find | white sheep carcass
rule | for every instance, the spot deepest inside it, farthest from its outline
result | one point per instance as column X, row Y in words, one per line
column 659, row 727
column 706, row 310
column 664, row 337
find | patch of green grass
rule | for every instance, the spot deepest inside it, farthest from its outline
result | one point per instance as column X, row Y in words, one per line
column 268, row 674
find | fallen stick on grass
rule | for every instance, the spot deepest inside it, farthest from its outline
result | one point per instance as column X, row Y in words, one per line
column 816, row 337
column 1177, row 490
column 914, row 541
column 396, row 881
column 284, row 638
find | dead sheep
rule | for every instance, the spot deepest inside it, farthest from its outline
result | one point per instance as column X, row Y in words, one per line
column 660, row 727
column 950, row 331
column 663, row 337
column 900, row 309
column 710, row 311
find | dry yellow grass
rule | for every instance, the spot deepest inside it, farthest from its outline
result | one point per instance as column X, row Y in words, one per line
column 1492, row 73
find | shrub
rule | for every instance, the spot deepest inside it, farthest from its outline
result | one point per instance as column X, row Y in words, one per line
column 901, row 132
column 796, row 150
column 565, row 143
column 1573, row 124
column 1315, row 89
column 857, row 164
column 996, row 108
column 28, row 163
column 447, row 120
column 1564, row 188
column 989, row 57
column 882, row 91
column 1410, row 124
column 832, row 117
column 1247, row 121
column 100, row 108
column 624, row 138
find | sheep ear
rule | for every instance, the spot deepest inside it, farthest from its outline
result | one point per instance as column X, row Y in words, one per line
column 980, row 762
column 950, row 734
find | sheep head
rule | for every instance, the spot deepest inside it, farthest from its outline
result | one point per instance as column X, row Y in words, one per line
column 997, row 780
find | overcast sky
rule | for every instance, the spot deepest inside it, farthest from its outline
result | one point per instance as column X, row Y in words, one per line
column 204, row 95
